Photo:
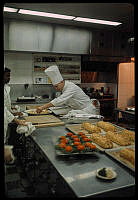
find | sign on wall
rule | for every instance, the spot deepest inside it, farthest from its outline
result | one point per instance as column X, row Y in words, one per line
column 69, row 66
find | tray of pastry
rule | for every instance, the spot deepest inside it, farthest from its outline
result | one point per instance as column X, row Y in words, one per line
column 124, row 155
column 110, row 137
column 33, row 112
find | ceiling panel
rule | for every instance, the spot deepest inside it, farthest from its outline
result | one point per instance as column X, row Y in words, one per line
column 121, row 12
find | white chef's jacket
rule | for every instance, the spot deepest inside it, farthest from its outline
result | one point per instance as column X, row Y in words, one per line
column 7, row 99
column 74, row 97
column 8, row 117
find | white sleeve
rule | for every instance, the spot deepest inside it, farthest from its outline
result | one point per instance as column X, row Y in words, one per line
column 8, row 115
column 63, row 98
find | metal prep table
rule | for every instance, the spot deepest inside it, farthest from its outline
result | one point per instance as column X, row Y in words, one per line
column 79, row 172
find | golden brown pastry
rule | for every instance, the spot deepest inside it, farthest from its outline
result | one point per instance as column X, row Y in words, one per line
column 128, row 154
column 102, row 141
column 130, row 134
column 90, row 127
column 106, row 126
column 118, row 138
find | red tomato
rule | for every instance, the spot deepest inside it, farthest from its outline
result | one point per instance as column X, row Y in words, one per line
column 68, row 148
column 76, row 139
column 80, row 133
column 69, row 134
column 77, row 143
column 74, row 136
column 87, row 144
column 80, row 147
column 93, row 146
column 62, row 145
column 86, row 139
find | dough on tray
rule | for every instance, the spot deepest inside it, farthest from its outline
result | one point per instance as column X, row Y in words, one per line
column 118, row 138
column 128, row 154
column 130, row 134
column 102, row 141
column 90, row 127
column 106, row 126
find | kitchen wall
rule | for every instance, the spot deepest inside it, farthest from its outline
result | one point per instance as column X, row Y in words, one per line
column 126, row 84
column 21, row 65
column 21, row 74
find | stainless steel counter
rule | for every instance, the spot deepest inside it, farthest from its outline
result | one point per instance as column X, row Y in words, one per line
column 41, row 101
column 79, row 172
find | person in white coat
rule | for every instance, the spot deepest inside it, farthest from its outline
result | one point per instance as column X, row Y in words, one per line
column 7, row 99
column 8, row 115
column 72, row 95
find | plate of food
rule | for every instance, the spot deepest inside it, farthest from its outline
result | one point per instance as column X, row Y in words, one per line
column 106, row 173
column 33, row 112
column 74, row 144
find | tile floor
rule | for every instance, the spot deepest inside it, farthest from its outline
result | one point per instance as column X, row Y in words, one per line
column 16, row 182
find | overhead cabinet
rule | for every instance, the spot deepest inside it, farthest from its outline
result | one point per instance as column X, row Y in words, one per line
column 24, row 35
column 111, row 43
column 44, row 37
column 102, row 43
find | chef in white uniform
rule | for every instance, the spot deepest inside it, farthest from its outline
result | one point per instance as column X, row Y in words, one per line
column 72, row 95
column 7, row 99
column 8, row 115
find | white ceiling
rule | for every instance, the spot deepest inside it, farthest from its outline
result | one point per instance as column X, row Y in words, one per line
column 120, row 12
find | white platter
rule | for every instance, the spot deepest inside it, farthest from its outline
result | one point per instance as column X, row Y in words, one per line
column 104, row 177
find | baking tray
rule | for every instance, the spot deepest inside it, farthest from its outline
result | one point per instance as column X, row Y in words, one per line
column 114, row 153
column 60, row 110
column 30, row 112
column 42, row 119
column 76, row 128
column 60, row 153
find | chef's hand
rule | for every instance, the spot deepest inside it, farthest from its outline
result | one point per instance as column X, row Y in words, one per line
column 20, row 122
column 7, row 154
column 18, row 114
column 39, row 109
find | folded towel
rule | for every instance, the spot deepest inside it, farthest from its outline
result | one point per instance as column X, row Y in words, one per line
column 81, row 114
column 25, row 129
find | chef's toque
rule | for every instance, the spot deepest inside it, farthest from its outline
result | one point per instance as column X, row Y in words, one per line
column 54, row 74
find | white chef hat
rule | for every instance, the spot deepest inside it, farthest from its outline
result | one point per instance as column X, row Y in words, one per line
column 54, row 74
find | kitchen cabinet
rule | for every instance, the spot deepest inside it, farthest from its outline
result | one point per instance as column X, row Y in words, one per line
column 111, row 43
column 102, row 43
column 23, row 36
column 32, row 36
column 121, row 47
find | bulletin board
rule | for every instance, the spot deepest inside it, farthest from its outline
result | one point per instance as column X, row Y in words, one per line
column 69, row 66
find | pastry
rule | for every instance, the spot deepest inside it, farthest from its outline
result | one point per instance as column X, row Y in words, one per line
column 118, row 138
column 90, row 127
column 128, row 154
column 106, row 126
column 130, row 134
column 102, row 141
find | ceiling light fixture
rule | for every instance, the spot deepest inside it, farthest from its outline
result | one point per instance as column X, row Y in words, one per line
column 97, row 21
column 44, row 14
column 7, row 9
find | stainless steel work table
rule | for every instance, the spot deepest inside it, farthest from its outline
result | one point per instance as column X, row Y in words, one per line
column 79, row 173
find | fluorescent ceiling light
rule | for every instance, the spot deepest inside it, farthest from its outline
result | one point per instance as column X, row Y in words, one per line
column 7, row 9
column 97, row 21
column 44, row 14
